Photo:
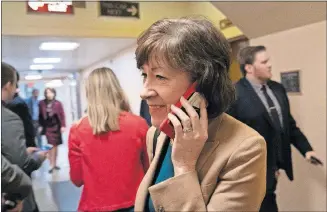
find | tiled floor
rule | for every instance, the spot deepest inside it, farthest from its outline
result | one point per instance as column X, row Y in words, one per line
column 54, row 192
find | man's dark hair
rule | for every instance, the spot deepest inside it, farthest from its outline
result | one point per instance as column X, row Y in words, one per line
column 247, row 56
column 8, row 74
column 196, row 46
column 17, row 78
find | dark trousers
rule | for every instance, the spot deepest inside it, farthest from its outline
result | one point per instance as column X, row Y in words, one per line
column 269, row 203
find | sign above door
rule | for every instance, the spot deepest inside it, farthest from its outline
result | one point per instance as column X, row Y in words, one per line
column 119, row 9
column 58, row 7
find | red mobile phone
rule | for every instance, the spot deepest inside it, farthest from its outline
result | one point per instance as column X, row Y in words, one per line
column 194, row 99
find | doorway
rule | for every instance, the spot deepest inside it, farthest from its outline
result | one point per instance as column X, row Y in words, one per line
column 236, row 44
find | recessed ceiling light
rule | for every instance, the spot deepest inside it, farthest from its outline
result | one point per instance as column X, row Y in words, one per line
column 73, row 83
column 41, row 67
column 33, row 77
column 58, row 46
column 54, row 83
column 46, row 60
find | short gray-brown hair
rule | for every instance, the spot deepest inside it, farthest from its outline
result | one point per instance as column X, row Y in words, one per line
column 193, row 45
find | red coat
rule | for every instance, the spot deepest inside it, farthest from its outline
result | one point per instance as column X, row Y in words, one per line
column 110, row 166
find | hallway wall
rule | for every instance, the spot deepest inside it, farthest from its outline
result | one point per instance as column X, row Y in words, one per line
column 303, row 48
column 124, row 66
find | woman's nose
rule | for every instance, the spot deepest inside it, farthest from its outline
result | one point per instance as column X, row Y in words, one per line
column 146, row 93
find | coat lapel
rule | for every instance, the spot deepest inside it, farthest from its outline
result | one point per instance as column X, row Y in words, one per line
column 55, row 107
column 207, row 150
column 212, row 142
column 255, row 98
column 148, row 178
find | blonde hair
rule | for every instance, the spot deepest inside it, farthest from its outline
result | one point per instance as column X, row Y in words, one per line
column 105, row 100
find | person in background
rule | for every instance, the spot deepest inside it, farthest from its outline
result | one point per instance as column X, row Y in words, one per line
column 144, row 112
column 13, row 143
column 107, row 149
column 214, row 162
column 52, row 124
column 33, row 106
column 263, row 105
column 19, row 106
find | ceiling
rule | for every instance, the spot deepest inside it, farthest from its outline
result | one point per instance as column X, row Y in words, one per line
column 19, row 51
column 256, row 19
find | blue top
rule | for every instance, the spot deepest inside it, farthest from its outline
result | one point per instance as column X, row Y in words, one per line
column 166, row 172
column 35, row 109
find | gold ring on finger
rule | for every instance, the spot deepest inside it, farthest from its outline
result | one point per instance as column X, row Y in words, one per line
column 187, row 130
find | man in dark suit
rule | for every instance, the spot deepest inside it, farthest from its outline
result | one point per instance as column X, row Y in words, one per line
column 263, row 105
column 19, row 106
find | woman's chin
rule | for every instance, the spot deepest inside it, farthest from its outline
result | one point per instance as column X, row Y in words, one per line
column 156, row 122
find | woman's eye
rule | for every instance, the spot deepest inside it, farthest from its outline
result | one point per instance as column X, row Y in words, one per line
column 160, row 77
column 143, row 75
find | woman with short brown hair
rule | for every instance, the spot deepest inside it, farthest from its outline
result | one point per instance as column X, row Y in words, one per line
column 214, row 162
column 52, row 123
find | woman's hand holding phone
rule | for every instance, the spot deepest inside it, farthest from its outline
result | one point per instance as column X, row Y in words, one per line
column 191, row 133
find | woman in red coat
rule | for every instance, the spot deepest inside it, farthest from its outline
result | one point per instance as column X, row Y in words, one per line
column 52, row 123
column 107, row 147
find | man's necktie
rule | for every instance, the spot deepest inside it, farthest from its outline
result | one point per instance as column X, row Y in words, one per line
column 276, row 121
column 272, row 109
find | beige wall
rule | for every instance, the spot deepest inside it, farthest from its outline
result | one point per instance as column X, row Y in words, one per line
column 303, row 48
column 86, row 22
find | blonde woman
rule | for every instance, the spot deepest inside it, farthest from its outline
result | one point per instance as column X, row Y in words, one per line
column 107, row 147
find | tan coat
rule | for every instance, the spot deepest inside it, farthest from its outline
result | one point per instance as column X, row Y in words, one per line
column 230, row 173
